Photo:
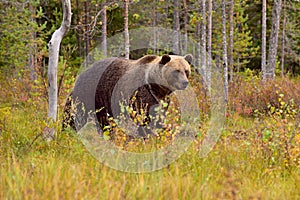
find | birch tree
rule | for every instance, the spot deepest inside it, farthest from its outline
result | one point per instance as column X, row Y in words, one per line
column 104, row 29
column 54, row 46
column 86, row 34
column 209, row 39
column 231, row 31
column 185, row 26
column 203, row 40
column 154, row 29
column 126, row 31
column 273, row 42
column 224, row 47
column 283, row 38
column 264, row 39
column 176, row 27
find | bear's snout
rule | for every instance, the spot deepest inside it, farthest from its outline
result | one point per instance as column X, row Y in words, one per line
column 185, row 84
column 182, row 85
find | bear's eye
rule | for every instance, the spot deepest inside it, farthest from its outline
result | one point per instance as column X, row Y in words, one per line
column 187, row 73
column 178, row 71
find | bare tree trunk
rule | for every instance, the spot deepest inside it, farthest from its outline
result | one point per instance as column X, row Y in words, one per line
column 104, row 30
column 78, row 35
column 54, row 46
column 126, row 31
column 273, row 43
column 154, row 29
column 185, row 27
column 176, row 28
column 224, row 46
column 198, row 58
column 231, row 31
column 203, row 41
column 283, row 38
column 264, row 39
column 86, row 34
column 209, row 39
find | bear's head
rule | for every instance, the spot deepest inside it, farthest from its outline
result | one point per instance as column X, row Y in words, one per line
column 175, row 71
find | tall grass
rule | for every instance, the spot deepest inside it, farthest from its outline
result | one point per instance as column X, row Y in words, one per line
column 257, row 157
column 237, row 168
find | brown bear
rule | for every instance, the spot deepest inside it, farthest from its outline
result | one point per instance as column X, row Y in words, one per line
column 99, row 90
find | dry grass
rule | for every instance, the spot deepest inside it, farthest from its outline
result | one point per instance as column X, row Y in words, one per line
column 238, row 168
column 255, row 158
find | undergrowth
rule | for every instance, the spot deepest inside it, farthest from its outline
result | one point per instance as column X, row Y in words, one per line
column 257, row 156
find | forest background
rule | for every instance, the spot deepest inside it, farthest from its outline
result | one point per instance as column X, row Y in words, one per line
column 258, row 154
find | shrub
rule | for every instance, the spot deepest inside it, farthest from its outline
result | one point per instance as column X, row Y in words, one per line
column 251, row 97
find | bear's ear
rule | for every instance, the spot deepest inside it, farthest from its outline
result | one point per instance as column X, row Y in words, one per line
column 189, row 58
column 165, row 59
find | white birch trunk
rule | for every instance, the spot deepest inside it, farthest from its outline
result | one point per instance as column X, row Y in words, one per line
column 104, row 29
column 203, row 41
column 54, row 46
column 273, row 43
column 224, row 46
column 154, row 29
column 176, row 28
column 126, row 31
column 86, row 35
column 283, row 38
column 264, row 39
column 185, row 27
column 209, row 39
column 198, row 59
column 231, row 31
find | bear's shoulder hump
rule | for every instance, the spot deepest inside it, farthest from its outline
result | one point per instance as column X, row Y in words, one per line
column 147, row 59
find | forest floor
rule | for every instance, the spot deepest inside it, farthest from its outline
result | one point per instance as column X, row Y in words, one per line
column 253, row 159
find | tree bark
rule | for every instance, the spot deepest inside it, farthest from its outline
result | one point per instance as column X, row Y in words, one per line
column 203, row 40
column 78, row 35
column 198, row 58
column 185, row 27
column 224, row 47
column 126, row 31
column 264, row 39
column 209, row 42
column 154, row 28
column 231, row 31
column 104, row 29
column 54, row 46
column 273, row 43
column 283, row 38
column 176, row 28
column 86, row 34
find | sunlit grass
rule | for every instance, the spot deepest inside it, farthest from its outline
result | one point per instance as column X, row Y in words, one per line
column 237, row 168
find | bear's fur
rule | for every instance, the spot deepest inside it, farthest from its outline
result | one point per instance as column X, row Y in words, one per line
column 101, row 87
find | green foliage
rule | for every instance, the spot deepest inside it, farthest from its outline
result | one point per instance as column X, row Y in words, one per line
column 293, row 36
column 243, row 49
column 19, row 29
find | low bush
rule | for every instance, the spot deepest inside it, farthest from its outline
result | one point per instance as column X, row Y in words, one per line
column 251, row 97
